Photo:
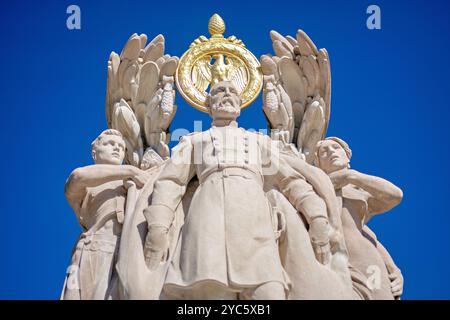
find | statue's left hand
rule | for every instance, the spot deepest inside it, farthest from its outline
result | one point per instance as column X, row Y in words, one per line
column 138, row 176
column 396, row 278
column 318, row 233
column 340, row 178
column 156, row 246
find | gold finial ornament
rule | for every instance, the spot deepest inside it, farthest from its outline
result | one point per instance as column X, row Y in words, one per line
column 208, row 61
column 216, row 26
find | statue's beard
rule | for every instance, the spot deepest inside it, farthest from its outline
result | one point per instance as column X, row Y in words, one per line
column 225, row 109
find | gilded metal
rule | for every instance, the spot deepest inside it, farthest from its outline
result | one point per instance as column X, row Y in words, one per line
column 208, row 61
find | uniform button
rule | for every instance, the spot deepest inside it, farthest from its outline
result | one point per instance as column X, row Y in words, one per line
column 246, row 160
column 246, row 150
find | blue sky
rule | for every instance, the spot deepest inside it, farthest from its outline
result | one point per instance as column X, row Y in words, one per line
column 389, row 103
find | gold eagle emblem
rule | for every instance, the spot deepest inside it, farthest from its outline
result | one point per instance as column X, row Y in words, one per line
column 209, row 61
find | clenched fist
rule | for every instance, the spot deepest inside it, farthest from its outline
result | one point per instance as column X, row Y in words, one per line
column 156, row 246
column 319, row 235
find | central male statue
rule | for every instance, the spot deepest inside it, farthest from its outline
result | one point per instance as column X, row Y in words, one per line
column 227, row 247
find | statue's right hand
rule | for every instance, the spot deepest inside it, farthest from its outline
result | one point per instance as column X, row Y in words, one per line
column 138, row 176
column 156, row 246
column 318, row 232
column 322, row 252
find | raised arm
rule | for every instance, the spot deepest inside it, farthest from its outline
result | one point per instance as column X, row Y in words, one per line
column 95, row 175
column 383, row 194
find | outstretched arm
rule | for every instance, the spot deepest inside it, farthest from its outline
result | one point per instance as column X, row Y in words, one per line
column 95, row 175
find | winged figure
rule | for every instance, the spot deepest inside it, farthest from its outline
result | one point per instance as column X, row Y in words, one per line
column 140, row 98
column 210, row 72
column 297, row 91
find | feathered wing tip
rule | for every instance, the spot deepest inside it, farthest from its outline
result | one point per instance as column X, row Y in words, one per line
column 124, row 120
column 281, row 46
column 138, row 77
column 311, row 129
column 132, row 48
column 303, row 72
column 277, row 105
column 269, row 66
column 325, row 71
column 112, row 90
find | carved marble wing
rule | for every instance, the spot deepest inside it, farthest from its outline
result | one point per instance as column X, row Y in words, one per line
column 303, row 72
column 140, row 98
column 277, row 105
column 124, row 120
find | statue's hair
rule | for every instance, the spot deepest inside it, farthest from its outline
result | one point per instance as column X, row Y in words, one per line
column 342, row 143
column 107, row 132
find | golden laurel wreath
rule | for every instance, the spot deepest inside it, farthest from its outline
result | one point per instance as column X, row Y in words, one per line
column 208, row 61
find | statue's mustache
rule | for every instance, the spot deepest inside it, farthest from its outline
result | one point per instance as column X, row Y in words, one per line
column 228, row 99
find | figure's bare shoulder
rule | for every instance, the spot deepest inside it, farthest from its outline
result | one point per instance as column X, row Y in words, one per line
column 74, row 192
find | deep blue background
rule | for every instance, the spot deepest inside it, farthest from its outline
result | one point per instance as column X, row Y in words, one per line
column 389, row 102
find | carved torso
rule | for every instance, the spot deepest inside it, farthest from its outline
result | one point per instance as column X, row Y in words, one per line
column 103, row 203
column 363, row 253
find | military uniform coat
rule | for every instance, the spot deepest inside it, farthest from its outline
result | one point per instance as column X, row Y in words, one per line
column 228, row 236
